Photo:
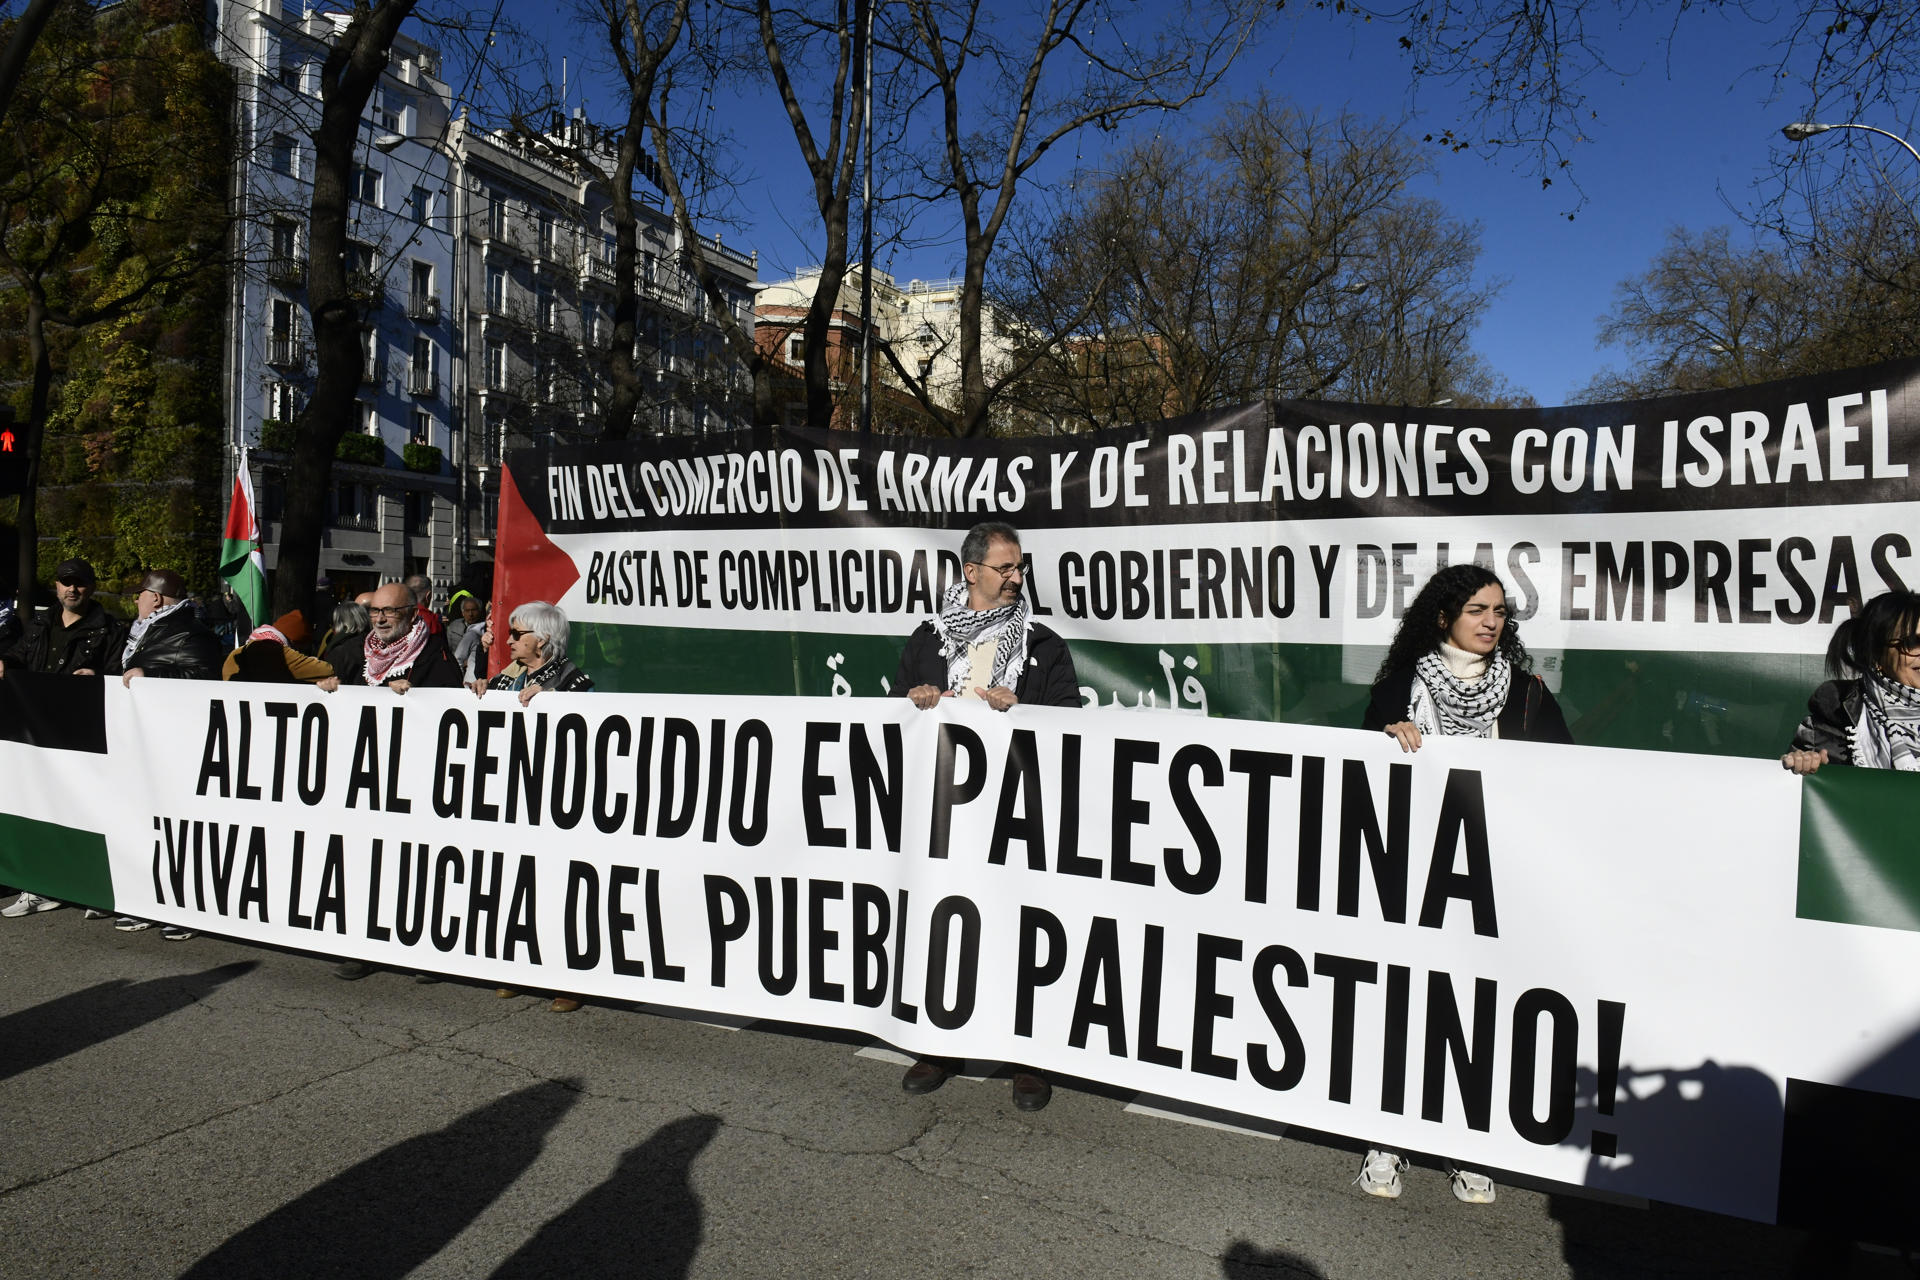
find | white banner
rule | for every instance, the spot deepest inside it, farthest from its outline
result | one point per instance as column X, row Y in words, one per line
column 1578, row 964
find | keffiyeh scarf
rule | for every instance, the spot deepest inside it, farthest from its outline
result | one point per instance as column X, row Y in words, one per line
column 1447, row 705
column 141, row 626
column 266, row 631
column 390, row 659
column 960, row 628
column 1887, row 735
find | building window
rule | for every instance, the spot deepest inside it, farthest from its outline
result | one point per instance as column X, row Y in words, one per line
column 369, row 415
column 497, row 366
column 497, row 215
column 420, row 206
column 796, row 349
column 544, row 305
column 422, row 359
column 422, row 427
column 283, row 401
column 649, row 265
column 354, row 506
column 283, row 156
column 497, row 290
column 418, row 509
column 590, row 323
column 545, row 224
column 291, row 73
column 610, row 247
column 366, row 184
column 286, row 238
column 390, row 110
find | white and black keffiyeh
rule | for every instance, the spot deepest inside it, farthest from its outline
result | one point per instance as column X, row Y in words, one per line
column 1445, row 704
column 138, row 631
column 960, row 628
column 1888, row 733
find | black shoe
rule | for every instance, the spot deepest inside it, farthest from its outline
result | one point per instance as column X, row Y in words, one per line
column 352, row 970
column 1030, row 1092
column 924, row 1076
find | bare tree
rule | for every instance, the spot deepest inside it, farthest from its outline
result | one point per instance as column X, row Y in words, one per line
column 348, row 77
column 1276, row 254
column 1002, row 103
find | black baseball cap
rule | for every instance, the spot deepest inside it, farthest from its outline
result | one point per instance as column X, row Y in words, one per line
column 75, row 573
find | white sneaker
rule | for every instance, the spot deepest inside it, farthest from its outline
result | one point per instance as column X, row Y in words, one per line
column 28, row 903
column 128, row 924
column 175, row 933
column 1380, row 1174
column 1470, row 1187
column 93, row 913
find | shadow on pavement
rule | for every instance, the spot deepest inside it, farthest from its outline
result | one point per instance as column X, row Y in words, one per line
column 645, row 1220
column 393, row 1211
column 50, row 1031
column 1248, row 1261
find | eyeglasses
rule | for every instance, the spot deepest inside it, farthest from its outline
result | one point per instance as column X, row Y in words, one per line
column 1907, row 645
column 395, row 612
column 514, row 633
column 1015, row 570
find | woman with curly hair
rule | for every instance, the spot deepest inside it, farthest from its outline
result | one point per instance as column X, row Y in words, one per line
column 1869, row 713
column 1456, row 668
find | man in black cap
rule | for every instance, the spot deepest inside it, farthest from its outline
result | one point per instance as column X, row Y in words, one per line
column 77, row 639
column 166, row 639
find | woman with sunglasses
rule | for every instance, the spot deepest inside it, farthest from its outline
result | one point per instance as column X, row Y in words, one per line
column 537, row 644
column 1869, row 713
column 1456, row 668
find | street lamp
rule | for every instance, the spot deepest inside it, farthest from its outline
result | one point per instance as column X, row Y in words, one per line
column 1802, row 130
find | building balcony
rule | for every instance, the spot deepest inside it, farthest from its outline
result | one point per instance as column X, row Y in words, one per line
column 424, row 308
column 374, row 372
column 424, row 383
column 369, row 288
column 286, row 351
column 596, row 270
column 287, row 268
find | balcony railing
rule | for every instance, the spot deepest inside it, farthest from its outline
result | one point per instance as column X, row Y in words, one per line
column 423, row 382
column 367, row 287
column 286, row 350
column 287, row 268
column 595, row 269
column 374, row 372
column 424, row 307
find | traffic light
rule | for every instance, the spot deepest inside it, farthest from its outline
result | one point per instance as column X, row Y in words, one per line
column 13, row 455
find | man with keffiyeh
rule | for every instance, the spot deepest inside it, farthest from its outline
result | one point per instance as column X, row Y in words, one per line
column 985, row 644
column 401, row 649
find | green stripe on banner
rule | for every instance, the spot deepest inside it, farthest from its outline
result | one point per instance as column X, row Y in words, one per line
column 1724, row 704
column 61, row 862
column 1857, row 864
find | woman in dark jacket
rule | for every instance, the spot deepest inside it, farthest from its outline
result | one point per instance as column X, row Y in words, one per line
column 1869, row 713
column 537, row 641
column 1456, row 668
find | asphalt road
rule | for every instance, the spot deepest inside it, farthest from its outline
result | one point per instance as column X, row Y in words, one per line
column 210, row 1109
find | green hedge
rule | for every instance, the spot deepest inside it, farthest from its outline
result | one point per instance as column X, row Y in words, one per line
column 369, row 451
column 422, row 457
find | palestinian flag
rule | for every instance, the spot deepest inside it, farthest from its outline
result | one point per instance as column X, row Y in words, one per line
column 240, row 562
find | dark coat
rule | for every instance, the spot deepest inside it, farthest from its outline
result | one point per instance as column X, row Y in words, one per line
column 555, row 677
column 1832, row 712
column 1048, row 681
column 178, row 647
column 348, row 657
column 433, row 669
column 1531, row 714
column 88, row 645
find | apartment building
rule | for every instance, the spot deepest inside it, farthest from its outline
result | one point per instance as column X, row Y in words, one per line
column 537, row 282
column 394, row 502
column 484, row 259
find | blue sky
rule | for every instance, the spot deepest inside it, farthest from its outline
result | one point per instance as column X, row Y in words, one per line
column 1678, row 140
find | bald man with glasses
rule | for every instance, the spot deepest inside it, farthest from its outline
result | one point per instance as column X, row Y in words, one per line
column 985, row 644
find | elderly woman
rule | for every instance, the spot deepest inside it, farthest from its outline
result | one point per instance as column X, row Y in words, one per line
column 1869, row 713
column 537, row 644
column 1456, row 668
column 537, row 641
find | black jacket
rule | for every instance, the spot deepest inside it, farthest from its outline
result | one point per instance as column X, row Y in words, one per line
column 88, row 645
column 555, row 677
column 433, row 669
column 1832, row 712
column 1531, row 714
column 1048, row 681
column 177, row 647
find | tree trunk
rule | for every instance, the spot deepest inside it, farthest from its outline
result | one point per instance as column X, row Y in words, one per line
column 352, row 70
column 27, row 523
column 13, row 60
column 623, row 401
